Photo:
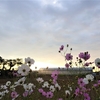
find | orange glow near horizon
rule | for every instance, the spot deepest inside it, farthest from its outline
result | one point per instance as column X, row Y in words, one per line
column 39, row 65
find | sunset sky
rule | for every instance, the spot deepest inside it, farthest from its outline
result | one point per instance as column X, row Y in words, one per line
column 37, row 28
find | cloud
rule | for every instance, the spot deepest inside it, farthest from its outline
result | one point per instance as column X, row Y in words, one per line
column 37, row 28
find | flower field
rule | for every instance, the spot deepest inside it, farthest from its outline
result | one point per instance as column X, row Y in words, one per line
column 25, row 84
column 51, row 87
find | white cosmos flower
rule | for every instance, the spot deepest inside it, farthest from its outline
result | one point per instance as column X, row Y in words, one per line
column 88, row 78
column 57, row 86
column 40, row 80
column 12, row 87
column 97, row 62
column 45, row 84
column 23, row 70
column 6, row 91
column 25, row 86
column 70, row 88
column 85, row 81
column 31, row 85
column 28, row 87
column 20, row 81
column 1, row 95
column 29, row 61
column 67, row 92
column 4, row 87
column 1, row 87
column 51, row 88
column 8, row 83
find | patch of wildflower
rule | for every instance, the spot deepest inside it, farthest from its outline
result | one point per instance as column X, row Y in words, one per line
column 51, row 89
column 82, row 89
column 80, row 60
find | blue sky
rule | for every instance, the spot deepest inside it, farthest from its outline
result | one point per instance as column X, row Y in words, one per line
column 37, row 28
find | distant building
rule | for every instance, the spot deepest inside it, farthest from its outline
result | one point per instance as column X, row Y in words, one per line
column 69, row 71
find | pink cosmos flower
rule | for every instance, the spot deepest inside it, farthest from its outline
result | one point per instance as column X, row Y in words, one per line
column 49, row 94
column 67, row 65
column 14, row 95
column 77, row 91
column 84, row 89
column 98, row 82
column 60, row 99
column 81, row 55
column 62, row 47
column 15, row 73
column 84, row 55
column 95, row 85
column 86, row 96
column 25, row 94
column 44, row 93
column 68, row 56
column 54, row 81
column 86, row 64
column 54, row 74
column 80, row 82
column 40, row 90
